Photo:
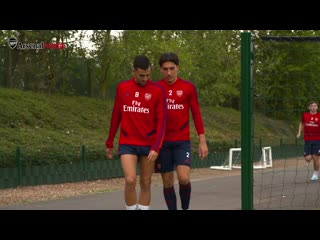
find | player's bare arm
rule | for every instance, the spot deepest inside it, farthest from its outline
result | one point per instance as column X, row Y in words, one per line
column 203, row 148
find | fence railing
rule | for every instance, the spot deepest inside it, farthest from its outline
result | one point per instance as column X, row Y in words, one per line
column 86, row 169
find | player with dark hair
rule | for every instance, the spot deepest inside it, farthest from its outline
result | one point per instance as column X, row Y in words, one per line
column 310, row 124
column 140, row 111
column 181, row 96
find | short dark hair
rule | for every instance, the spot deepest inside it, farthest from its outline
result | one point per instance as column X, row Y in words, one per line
column 142, row 62
column 312, row 102
column 169, row 57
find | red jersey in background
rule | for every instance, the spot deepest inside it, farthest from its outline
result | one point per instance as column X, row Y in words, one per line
column 311, row 124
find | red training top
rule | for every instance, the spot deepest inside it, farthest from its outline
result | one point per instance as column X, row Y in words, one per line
column 181, row 97
column 141, row 111
column 311, row 126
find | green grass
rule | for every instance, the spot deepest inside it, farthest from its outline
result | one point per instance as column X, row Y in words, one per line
column 41, row 123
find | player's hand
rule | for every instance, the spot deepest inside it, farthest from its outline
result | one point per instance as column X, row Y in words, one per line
column 153, row 155
column 109, row 152
column 203, row 150
column 298, row 135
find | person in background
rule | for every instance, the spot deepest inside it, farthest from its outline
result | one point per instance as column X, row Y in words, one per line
column 140, row 111
column 310, row 124
column 181, row 96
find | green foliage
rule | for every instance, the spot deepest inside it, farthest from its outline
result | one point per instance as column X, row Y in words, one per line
column 44, row 125
column 285, row 78
column 52, row 129
column 286, row 75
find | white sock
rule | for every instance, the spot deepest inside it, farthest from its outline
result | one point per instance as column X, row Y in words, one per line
column 142, row 207
column 133, row 207
column 315, row 173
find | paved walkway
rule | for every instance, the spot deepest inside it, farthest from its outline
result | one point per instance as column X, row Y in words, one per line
column 221, row 193
column 273, row 189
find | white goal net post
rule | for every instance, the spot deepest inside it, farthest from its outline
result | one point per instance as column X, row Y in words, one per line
column 234, row 160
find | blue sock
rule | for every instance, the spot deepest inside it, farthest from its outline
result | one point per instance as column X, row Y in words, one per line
column 185, row 194
column 170, row 197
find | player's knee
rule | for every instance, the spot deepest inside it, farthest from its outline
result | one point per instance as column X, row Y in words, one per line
column 168, row 181
column 145, row 182
column 168, row 175
column 308, row 158
column 131, row 181
column 184, row 180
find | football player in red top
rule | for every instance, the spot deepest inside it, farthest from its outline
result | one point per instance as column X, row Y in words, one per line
column 140, row 111
column 175, row 154
column 310, row 124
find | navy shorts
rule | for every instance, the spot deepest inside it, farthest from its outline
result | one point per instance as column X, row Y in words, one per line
column 132, row 149
column 312, row 147
column 173, row 154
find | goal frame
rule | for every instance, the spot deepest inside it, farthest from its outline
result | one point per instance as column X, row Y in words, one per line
column 266, row 160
